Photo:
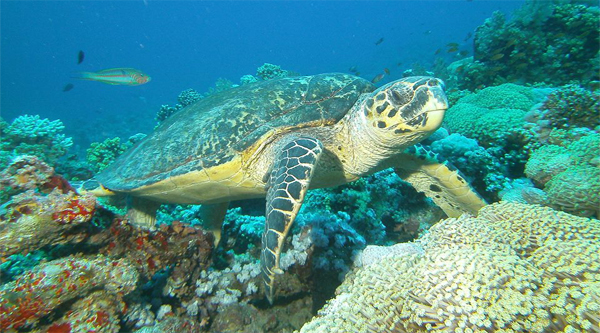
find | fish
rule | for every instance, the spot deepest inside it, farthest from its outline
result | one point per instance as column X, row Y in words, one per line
column 463, row 53
column 80, row 57
column 352, row 69
column 378, row 78
column 452, row 45
column 469, row 34
column 379, row 41
column 452, row 49
column 357, row 73
column 386, row 71
column 438, row 51
column 68, row 87
column 497, row 56
column 117, row 76
column 510, row 42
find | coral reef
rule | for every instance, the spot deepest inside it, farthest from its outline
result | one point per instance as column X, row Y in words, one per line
column 552, row 42
column 41, row 290
column 535, row 270
column 569, row 173
column 31, row 135
column 42, row 210
column 569, row 107
column 494, row 115
column 101, row 154
column 269, row 71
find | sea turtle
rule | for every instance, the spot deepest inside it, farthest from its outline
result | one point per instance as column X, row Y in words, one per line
column 280, row 137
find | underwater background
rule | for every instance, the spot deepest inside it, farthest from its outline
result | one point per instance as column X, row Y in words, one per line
column 374, row 255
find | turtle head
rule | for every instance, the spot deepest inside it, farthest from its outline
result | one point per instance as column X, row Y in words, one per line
column 405, row 111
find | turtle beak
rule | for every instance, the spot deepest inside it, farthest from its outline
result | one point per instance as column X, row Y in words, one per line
column 436, row 106
column 433, row 120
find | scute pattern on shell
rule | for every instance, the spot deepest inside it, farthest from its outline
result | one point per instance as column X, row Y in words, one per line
column 216, row 129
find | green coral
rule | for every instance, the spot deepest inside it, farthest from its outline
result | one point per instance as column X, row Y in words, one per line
column 32, row 135
column 514, row 268
column 552, row 42
column 101, row 154
column 493, row 115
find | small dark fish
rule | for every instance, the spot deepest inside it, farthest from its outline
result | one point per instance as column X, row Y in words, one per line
column 438, row 51
column 427, row 32
column 387, row 71
column 452, row 45
column 357, row 73
column 352, row 69
column 469, row 35
column 463, row 53
column 452, row 49
column 379, row 41
column 68, row 87
column 80, row 57
column 399, row 64
column 378, row 78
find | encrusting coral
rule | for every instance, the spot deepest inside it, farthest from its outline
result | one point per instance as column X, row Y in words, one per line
column 41, row 290
column 514, row 268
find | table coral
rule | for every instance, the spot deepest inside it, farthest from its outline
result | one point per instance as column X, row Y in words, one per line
column 41, row 290
column 536, row 270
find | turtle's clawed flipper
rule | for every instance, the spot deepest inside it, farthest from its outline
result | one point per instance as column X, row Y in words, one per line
column 439, row 181
column 213, row 215
column 289, row 180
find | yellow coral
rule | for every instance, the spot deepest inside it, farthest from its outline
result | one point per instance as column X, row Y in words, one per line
column 514, row 268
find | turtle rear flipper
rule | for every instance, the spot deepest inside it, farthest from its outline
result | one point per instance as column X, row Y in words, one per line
column 142, row 212
column 439, row 181
column 289, row 180
column 213, row 215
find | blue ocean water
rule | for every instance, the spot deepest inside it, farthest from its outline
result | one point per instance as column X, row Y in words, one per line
column 190, row 44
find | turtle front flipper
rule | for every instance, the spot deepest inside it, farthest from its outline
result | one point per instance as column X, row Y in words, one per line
column 439, row 181
column 289, row 180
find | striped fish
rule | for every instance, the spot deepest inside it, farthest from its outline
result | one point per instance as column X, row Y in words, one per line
column 120, row 76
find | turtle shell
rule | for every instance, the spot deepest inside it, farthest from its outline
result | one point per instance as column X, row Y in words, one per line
column 218, row 128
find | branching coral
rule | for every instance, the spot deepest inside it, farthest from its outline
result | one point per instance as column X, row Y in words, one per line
column 31, row 135
column 269, row 71
column 513, row 268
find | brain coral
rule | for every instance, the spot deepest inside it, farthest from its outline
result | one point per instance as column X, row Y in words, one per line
column 514, row 268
